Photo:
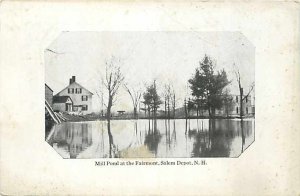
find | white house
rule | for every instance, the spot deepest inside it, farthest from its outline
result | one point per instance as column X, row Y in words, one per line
column 81, row 98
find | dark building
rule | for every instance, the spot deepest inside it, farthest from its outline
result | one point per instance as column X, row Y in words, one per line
column 49, row 95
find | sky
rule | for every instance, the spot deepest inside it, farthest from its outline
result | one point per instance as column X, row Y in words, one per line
column 167, row 57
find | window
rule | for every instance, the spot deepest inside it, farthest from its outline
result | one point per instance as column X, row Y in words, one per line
column 70, row 90
column 84, row 98
column 237, row 99
column 84, row 107
column 246, row 99
column 246, row 110
column 237, row 110
column 78, row 91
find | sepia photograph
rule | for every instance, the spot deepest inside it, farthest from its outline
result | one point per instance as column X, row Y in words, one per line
column 169, row 94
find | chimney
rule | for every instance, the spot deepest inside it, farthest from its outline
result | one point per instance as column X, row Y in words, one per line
column 73, row 79
column 70, row 81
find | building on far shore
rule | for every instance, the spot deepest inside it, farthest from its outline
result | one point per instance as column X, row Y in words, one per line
column 73, row 98
column 253, row 106
column 230, row 109
column 233, row 108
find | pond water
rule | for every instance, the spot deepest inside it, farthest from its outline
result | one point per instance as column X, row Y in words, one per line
column 146, row 138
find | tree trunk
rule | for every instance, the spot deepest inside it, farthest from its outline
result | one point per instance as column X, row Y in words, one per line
column 145, row 110
column 241, row 103
column 174, row 112
column 209, row 112
column 108, row 115
column 165, row 108
column 185, row 108
column 135, row 113
column 168, row 108
column 227, row 111
column 174, row 105
column 213, row 112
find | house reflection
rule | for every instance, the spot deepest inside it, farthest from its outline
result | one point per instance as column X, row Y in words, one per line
column 73, row 137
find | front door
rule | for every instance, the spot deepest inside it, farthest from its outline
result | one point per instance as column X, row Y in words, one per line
column 68, row 107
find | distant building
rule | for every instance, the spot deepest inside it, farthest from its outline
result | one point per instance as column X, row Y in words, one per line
column 48, row 94
column 253, row 106
column 232, row 108
column 80, row 97
column 247, row 109
column 121, row 113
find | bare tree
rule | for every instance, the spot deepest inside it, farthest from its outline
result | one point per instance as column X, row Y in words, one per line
column 167, row 95
column 112, row 82
column 135, row 95
column 173, row 101
column 241, row 90
column 170, row 101
column 100, row 95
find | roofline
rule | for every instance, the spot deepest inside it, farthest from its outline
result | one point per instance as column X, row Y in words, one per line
column 76, row 83
column 63, row 96
column 48, row 87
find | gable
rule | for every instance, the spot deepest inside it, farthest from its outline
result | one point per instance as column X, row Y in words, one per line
column 69, row 100
column 75, row 85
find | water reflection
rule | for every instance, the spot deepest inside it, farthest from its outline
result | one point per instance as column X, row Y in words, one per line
column 148, row 138
column 152, row 137
column 71, row 138
column 112, row 147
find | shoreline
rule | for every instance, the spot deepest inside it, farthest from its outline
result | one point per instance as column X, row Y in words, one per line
column 115, row 119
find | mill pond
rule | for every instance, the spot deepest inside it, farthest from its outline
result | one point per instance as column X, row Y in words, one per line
column 174, row 138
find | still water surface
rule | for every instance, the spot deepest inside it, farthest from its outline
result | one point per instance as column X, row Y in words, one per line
column 147, row 138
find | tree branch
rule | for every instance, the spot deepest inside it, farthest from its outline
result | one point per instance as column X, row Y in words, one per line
column 251, row 88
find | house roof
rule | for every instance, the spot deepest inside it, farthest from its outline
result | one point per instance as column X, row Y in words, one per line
column 48, row 87
column 78, row 85
column 61, row 99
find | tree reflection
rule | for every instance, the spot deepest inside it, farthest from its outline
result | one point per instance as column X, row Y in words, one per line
column 173, row 137
column 100, row 146
column 201, row 138
column 243, row 135
column 220, row 139
column 212, row 142
column 152, row 137
column 113, row 151
column 168, row 136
